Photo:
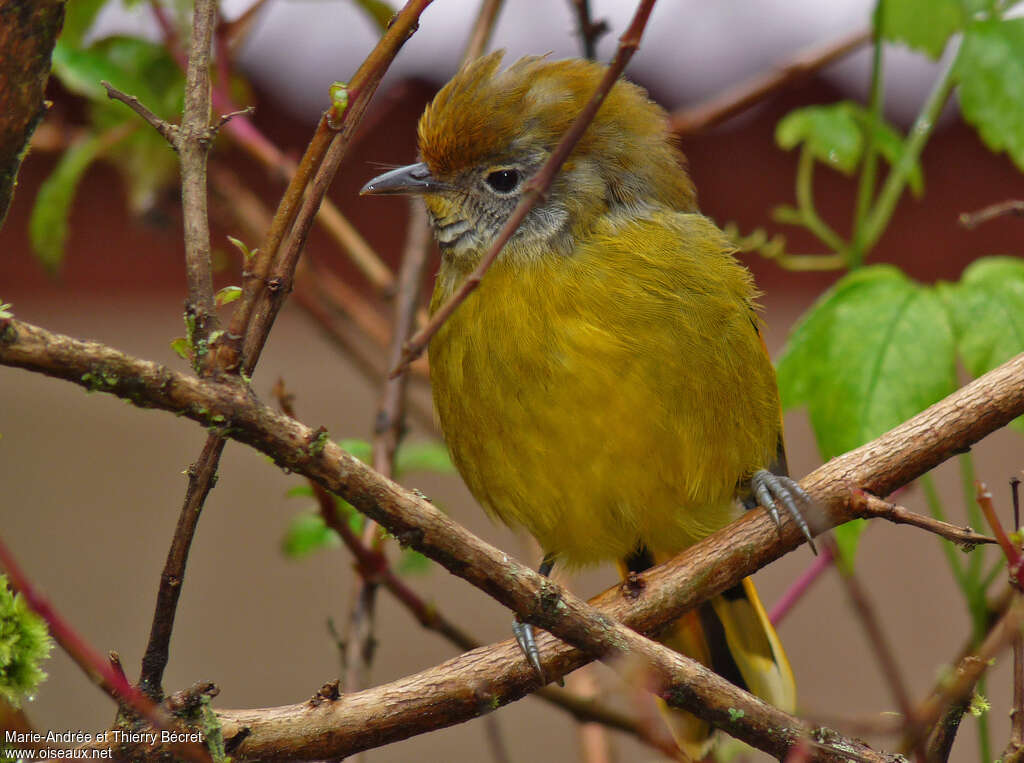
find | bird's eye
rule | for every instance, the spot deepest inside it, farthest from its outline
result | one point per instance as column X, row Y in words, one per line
column 503, row 181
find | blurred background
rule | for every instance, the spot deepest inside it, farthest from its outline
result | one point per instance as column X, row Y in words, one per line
column 92, row 487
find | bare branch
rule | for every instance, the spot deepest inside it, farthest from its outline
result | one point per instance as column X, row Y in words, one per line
column 165, row 128
column 193, row 144
column 707, row 568
column 743, row 96
column 964, row 537
column 589, row 30
column 972, row 220
column 482, row 30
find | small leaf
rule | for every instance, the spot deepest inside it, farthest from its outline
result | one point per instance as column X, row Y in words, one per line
column 378, row 10
column 307, row 533
column 240, row 246
column 182, row 348
column 874, row 350
column 48, row 224
column 925, row 25
column 830, row 132
column 5, row 310
column 429, row 456
column 847, row 539
column 987, row 307
column 412, row 562
column 227, row 295
column 990, row 69
column 300, row 491
column 360, row 449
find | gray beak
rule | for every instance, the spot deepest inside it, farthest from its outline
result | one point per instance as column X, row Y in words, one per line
column 412, row 179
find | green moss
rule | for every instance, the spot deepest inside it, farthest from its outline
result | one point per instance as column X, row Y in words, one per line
column 24, row 644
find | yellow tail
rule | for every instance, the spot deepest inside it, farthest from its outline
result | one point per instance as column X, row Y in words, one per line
column 732, row 635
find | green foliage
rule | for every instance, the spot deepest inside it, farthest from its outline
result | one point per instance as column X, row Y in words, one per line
column 925, row 25
column 990, row 69
column 5, row 310
column 137, row 67
column 48, row 225
column 876, row 349
column 360, row 449
column 429, row 456
column 829, row 132
column 306, row 533
column 837, row 134
column 24, row 644
column 987, row 308
column 78, row 17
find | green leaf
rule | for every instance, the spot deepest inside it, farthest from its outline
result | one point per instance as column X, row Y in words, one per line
column 830, row 132
column 990, row 70
column 182, row 348
column 24, row 644
column 925, row 25
column 48, row 224
column 847, row 539
column 890, row 144
column 307, row 533
column 429, row 456
column 987, row 307
column 360, row 449
column 5, row 310
column 304, row 490
column 876, row 349
column 78, row 18
column 412, row 562
column 228, row 294
column 378, row 10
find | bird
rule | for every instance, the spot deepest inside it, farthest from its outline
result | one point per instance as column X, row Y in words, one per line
column 606, row 387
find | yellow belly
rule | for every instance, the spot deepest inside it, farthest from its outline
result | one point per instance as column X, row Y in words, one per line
column 613, row 397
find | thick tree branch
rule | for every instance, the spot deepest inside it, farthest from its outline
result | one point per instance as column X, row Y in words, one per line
column 28, row 32
column 453, row 692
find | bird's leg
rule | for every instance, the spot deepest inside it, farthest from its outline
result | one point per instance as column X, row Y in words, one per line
column 771, row 490
column 524, row 631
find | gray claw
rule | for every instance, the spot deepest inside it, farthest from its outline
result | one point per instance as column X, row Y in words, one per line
column 773, row 489
column 524, row 637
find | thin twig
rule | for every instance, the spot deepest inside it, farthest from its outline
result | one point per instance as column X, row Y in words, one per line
column 743, row 96
column 1015, row 746
column 537, row 186
column 799, row 587
column 1013, row 556
column 483, row 28
column 280, row 253
column 388, row 430
column 590, row 31
column 192, row 141
column 166, row 129
column 201, row 479
column 96, row 668
column 880, row 645
column 965, row 537
column 972, row 220
column 966, row 674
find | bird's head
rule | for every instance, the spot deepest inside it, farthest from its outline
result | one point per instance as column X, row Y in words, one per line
column 487, row 132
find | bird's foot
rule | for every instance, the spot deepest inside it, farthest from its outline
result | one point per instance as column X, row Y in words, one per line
column 524, row 637
column 773, row 490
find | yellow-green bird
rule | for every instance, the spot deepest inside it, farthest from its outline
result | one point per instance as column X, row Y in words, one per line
column 606, row 386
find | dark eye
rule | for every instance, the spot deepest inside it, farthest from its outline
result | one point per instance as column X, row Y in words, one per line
column 503, row 181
